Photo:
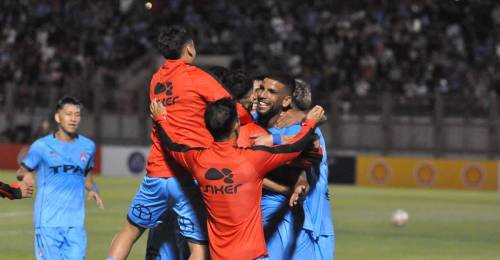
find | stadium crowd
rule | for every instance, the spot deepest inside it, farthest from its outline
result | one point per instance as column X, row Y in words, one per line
column 410, row 47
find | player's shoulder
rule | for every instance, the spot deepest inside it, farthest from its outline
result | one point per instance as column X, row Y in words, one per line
column 86, row 141
column 42, row 142
column 197, row 74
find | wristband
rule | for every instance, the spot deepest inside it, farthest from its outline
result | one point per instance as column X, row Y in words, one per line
column 94, row 187
column 276, row 139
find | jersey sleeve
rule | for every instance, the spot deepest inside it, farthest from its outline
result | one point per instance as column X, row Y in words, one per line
column 266, row 158
column 33, row 158
column 309, row 157
column 10, row 191
column 91, row 163
column 183, row 154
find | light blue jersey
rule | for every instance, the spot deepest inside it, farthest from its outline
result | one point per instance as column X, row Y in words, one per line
column 61, row 168
column 317, row 237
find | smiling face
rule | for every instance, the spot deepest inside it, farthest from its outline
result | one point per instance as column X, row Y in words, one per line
column 68, row 118
column 272, row 97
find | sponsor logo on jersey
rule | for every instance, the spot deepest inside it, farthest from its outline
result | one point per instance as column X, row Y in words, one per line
column 168, row 89
column 83, row 156
column 229, row 187
column 66, row 168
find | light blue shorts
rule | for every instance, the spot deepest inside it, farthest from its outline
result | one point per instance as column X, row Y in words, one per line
column 60, row 243
column 157, row 195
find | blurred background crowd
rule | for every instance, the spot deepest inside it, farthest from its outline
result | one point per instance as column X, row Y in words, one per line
column 358, row 48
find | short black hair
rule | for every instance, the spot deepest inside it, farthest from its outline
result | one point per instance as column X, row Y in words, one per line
column 218, row 72
column 171, row 40
column 235, row 81
column 68, row 100
column 238, row 84
column 284, row 79
column 220, row 117
column 258, row 76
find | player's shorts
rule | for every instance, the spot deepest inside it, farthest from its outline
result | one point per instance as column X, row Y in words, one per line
column 325, row 247
column 156, row 195
column 278, row 225
column 60, row 243
column 285, row 236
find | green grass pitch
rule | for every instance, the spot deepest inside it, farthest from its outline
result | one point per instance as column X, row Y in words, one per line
column 442, row 225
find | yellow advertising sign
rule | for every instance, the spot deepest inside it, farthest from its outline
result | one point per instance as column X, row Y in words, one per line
column 425, row 172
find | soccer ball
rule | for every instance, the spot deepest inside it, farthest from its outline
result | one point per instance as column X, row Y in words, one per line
column 399, row 217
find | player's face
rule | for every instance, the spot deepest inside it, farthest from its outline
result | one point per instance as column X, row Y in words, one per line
column 253, row 97
column 271, row 97
column 68, row 118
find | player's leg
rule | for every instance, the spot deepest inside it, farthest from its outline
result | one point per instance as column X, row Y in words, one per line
column 145, row 211
column 48, row 243
column 191, row 216
column 75, row 243
column 123, row 241
column 163, row 241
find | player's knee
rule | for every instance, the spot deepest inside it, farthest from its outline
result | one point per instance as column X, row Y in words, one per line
column 132, row 231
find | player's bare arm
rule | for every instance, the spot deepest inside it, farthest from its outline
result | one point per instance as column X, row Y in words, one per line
column 293, row 116
column 300, row 190
column 93, row 190
column 275, row 187
column 16, row 190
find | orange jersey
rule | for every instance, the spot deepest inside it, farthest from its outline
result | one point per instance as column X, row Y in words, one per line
column 251, row 129
column 184, row 90
column 230, row 180
column 248, row 131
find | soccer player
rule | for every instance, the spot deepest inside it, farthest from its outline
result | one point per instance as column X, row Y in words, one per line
column 16, row 190
column 273, row 98
column 231, row 177
column 162, row 241
column 317, row 238
column 184, row 90
column 63, row 163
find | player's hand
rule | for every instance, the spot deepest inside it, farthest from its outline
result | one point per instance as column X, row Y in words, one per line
column 288, row 118
column 26, row 191
column 28, row 180
column 95, row 195
column 266, row 140
column 298, row 194
column 316, row 114
column 157, row 108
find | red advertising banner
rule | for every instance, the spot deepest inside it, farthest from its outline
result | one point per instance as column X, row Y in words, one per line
column 12, row 154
